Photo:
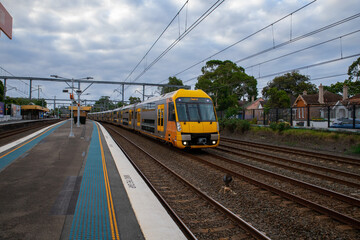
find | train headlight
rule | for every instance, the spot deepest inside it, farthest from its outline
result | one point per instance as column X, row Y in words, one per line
column 184, row 143
column 178, row 126
column 213, row 142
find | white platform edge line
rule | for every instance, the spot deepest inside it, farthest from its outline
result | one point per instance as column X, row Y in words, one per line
column 153, row 219
column 24, row 139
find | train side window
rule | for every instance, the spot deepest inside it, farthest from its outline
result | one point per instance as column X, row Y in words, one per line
column 171, row 115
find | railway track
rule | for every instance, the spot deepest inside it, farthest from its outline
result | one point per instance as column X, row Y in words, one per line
column 342, row 203
column 296, row 151
column 199, row 214
column 325, row 173
column 25, row 129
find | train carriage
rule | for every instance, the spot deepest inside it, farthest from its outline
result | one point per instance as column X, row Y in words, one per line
column 184, row 118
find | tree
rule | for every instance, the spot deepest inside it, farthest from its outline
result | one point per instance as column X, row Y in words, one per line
column 104, row 103
column 172, row 81
column 354, row 86
column 226, row 83
column 292, row 83
column 277, row 99
column 26, row 101
column 133, row 100
column 120, row 104
column 354, row 70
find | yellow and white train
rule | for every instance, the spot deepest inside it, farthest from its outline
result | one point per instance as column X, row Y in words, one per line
column 184, row 118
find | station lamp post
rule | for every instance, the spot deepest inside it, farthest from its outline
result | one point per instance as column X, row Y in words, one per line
column 71, row 135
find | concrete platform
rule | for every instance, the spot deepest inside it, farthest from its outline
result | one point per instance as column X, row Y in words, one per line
column 56, row 187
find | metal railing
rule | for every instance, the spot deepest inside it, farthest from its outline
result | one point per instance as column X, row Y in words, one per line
column 307, row 117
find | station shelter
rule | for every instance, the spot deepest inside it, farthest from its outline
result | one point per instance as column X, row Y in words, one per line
column 31, row 112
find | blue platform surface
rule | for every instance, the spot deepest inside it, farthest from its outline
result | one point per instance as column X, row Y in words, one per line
column 94, row 216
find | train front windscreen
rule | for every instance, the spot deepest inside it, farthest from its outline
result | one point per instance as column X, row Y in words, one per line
column 195, row 110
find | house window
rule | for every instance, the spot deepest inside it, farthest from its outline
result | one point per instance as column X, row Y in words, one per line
column 303, row 114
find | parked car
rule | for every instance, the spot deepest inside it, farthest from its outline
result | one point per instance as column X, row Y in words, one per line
column 345, row 123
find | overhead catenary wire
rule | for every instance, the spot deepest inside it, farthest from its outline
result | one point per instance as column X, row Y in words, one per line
column 22, row 92
column 152, row 46
column 329, row 76
column 297, row 39
column 287, row 42
column 310, row 66
column 241, row 40
column 302, row 37
column 303, row 49
column 187, row 31
column 303, row 67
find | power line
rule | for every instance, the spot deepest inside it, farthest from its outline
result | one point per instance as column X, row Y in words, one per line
column 331, row 76
column 302, row 37
column 243, row 39
column 177, row 14
column 187, row 31
column 296, row 39
column 316, row 45
column 304, row 67
column 309, row 66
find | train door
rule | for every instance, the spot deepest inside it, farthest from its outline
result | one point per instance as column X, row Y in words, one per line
column 130, row 116
column 138, row 117
column 160, row 118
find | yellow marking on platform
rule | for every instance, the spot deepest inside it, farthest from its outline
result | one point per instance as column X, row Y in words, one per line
column 112, row 217
column 25, row 143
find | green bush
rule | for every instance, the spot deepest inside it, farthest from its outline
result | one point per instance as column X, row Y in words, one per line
column 280, row 126
column 253, row 121
column 230, row 124
column 222, row 124
column 273, row 126
column 234, row 125
column 242, row 126
column 356, row 149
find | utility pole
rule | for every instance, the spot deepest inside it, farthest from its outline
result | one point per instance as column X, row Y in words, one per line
column 39, row 92
column 54, row 104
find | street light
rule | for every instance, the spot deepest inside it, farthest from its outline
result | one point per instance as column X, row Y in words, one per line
column 71, row 135
column 78, row 108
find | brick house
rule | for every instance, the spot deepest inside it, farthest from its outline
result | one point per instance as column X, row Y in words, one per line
column 314, row 106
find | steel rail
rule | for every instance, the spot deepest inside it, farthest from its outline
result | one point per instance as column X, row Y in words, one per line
column 324, row 156
column 323, row 176
column 339, row 196
column 243, row 224
column 25, row 129
column 316, row 207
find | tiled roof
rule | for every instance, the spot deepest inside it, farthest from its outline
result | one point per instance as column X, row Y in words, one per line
column 352, row 100
column 329, row 98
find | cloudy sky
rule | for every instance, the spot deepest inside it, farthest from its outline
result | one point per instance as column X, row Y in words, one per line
column 106, row 39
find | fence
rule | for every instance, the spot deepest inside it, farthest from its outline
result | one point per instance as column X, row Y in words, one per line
column 307, row 117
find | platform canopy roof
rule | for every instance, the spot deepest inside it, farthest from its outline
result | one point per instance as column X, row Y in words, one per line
column 82, row 108
column 34, row 107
